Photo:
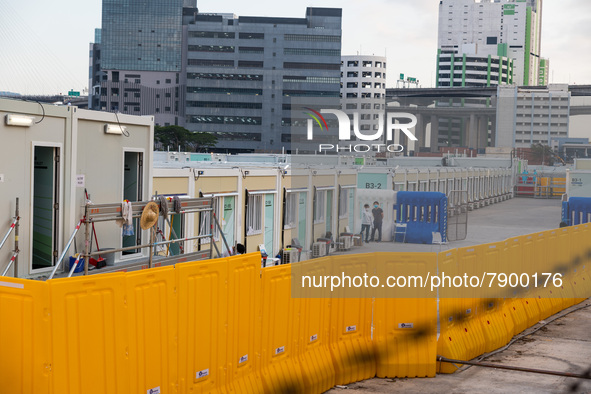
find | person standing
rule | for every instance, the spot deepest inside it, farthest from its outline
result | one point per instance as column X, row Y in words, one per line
column 378, row 216
column 366, row 220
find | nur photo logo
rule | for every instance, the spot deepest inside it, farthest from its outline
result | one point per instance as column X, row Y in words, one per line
column 383, row 136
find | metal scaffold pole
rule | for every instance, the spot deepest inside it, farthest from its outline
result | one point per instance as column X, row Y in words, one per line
column 16, row 231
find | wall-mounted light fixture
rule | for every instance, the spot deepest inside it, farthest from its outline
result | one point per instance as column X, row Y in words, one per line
column 19, row 120
column 114, row 129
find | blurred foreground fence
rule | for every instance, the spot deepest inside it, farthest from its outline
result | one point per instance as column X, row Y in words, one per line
column 229, row 326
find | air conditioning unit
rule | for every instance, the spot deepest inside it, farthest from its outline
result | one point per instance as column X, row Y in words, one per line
column 318, row 249
column 290, row 256
column 344, row 242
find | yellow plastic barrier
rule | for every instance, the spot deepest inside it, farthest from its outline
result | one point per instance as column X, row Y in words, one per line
column 473, row 336
column 539, row 258
column 530, row 300
column 583, row 265
column 318, row 371
column 90, row 335
column 280, row 367
column 511, row 263
column 451, row 340
column 202, row 289
column 489, row 311
column 25, row 358
column 243, row 329
column 552, row 264
column 405, row 335
column 226, row 326
column 351, row 347
column 153, row 328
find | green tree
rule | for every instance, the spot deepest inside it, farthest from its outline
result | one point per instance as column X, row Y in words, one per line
column 190, row 141
column 543, row 154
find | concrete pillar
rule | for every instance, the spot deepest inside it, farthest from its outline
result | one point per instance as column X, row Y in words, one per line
column 420, row 133
column 434, row 134
column 472, row 132
column 483, row 131
column 493, row 131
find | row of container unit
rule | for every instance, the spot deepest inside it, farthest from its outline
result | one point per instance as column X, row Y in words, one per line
column 52, row 155
column 479, row 187
column 274, row 207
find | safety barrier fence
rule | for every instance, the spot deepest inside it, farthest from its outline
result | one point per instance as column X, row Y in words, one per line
column 227, row 325
column 540, row 187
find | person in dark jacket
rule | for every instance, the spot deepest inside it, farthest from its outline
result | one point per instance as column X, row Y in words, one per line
column 378, row 216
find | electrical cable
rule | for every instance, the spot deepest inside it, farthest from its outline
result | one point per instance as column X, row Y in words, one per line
column 123, row 131
column 43, row 109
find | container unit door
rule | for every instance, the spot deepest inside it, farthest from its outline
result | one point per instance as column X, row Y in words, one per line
column 269, row 223
column 351, row 209
column 328, row 220
column 46, row 170
column 132, row 191
column 302, row 218
column 228, row 219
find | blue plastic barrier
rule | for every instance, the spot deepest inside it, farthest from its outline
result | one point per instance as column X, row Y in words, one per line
column 424, row 213
column 576, row 210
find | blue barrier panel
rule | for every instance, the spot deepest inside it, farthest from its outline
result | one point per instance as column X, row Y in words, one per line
column 576, row 211
column 424, row 213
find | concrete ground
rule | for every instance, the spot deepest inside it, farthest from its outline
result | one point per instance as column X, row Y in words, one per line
column 563, row 345
column 497, row 222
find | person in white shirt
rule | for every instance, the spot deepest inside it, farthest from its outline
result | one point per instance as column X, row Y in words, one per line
column 366, row 221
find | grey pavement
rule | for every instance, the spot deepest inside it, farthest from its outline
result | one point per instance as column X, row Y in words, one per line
column 494, row 223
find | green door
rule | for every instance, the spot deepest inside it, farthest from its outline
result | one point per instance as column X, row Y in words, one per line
column 228, row 220
column 269, row 214
column 45, row 206
column 302, row 218
column 329, row 211
column 132, row 187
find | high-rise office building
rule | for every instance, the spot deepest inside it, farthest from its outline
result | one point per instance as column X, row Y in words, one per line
column 231, row 76
column 137, row 66
column 491, row 34
column 363, row 90
column 528, row 116
column 242, row 73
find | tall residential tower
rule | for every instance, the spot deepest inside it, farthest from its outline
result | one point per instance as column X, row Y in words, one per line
column 490, row 42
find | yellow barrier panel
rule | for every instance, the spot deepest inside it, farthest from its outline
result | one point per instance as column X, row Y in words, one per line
column 551, row 266
column 152, row 313
column 451, row 342
column 25, row 360
column 564, row 258
column 280, row 368
column 577, row 263
column 405, row 336
column 313, row 344
column 530, row 301
column 539, row 259
column 511, row 263
column 203, row 316
column 244, row 340
column 90, row 341
column 490, row 310
column 473, row 335
column 584, row 261
column 350, row 324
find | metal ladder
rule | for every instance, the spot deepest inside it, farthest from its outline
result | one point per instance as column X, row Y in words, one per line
column 13, row 226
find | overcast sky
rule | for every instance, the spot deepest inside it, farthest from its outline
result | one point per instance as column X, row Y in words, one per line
column 44, row 44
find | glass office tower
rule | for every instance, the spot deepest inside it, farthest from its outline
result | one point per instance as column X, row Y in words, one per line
column 142, row 35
